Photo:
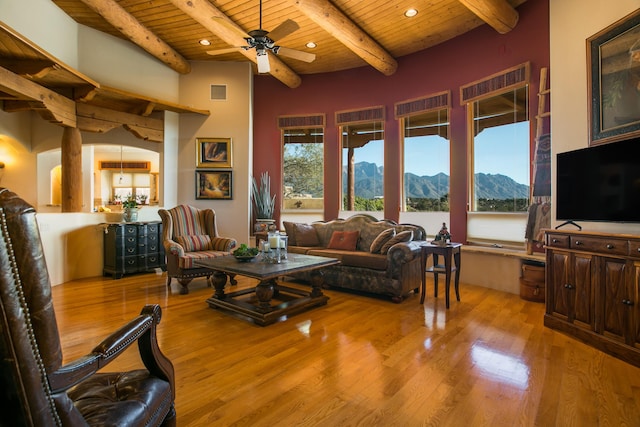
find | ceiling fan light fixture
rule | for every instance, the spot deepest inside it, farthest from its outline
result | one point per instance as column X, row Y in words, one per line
column 410, row 13
column 311, row 45
column 263, row 62
column 204, row 42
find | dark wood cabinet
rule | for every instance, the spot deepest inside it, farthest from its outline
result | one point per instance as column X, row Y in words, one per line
column 593, row 288
column 133, row 247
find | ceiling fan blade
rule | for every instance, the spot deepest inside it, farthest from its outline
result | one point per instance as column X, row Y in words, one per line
column 296, row 54
column 283, row 30
column 223, row 51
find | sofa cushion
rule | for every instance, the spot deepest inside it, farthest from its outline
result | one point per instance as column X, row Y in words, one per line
column 196, row 242
column 354, row 258
column 345, row 240
column 365, row 260
column 381, row 239
column 403, row 236
column 186, row 261
column 305, row 235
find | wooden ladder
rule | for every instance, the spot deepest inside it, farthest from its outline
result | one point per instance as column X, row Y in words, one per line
column 543, row 91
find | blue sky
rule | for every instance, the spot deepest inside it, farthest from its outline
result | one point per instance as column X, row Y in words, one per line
column 496, row 153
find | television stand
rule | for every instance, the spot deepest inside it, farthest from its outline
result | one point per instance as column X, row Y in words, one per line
column 569, row 223
column 591, row 290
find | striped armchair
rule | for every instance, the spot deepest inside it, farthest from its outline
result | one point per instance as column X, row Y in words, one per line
column 191, row 234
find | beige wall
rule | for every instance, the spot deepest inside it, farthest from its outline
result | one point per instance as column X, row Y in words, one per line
column 571, row 23
column 229, row 119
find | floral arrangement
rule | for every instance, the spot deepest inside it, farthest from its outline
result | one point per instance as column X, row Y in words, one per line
column 133, row 201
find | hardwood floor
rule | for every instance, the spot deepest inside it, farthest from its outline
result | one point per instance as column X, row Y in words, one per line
column 361, row 361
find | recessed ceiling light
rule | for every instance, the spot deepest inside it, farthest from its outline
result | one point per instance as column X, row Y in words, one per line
column 204, row 42
column 410, row 13
column 311, row 45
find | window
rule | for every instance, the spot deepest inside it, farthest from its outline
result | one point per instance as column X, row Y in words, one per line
column 303, row 172
column 363, row 166
column 500, row 152
column 499, row 147
column 127, row 184
column 426, row 162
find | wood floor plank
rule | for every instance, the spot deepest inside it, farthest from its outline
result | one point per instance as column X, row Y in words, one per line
column 359, row 360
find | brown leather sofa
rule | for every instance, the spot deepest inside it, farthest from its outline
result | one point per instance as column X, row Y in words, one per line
column 35, row 387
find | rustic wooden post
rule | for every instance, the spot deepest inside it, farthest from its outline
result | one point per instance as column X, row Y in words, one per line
column 351, row 180
column 71, row 170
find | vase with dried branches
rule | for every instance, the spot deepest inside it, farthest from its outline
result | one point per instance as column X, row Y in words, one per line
column 263, row 202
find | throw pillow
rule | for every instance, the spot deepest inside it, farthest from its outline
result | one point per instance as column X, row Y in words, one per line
column 381, row 239
column 200, row 242
column 403, row 236
column 305, row 235
column 289, row 227
column 345, row 240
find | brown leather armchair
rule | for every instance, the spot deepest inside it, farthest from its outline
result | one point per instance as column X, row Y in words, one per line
column 35, row 388
column 190, row 234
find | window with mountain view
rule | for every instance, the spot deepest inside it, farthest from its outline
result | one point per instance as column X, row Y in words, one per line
column 500, row 152
column 363, row 166
column 426, row 161
column 303, row 174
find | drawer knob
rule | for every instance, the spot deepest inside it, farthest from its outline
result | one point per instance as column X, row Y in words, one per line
column 578, row 242
column 556, row 241
column 609, row 246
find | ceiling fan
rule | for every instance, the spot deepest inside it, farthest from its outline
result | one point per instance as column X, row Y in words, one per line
column 263, row 41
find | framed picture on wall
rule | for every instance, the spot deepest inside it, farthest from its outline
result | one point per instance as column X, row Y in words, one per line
column 213, row 184
column 213, row 153
column 613, row 57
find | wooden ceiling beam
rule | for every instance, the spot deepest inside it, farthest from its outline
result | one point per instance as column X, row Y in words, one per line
column 100, row 120
column 343, row 29
column 211, row 18
column 128, row 25
column 497, row 13
column 52, row 106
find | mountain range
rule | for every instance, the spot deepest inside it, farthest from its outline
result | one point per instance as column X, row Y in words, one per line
column 369, row 183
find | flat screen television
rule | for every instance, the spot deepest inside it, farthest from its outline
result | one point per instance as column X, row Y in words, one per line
column 600, row 183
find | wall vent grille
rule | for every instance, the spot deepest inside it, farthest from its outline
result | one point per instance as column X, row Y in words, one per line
column 219, row 92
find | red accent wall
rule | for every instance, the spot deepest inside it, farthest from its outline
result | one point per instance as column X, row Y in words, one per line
column 467, row 58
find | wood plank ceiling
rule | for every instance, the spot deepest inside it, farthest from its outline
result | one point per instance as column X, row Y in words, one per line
column 348, row 33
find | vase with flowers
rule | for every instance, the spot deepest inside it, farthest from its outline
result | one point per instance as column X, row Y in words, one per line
column 130, row 207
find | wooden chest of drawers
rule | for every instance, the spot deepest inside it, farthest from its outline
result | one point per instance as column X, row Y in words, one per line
column 133, row 247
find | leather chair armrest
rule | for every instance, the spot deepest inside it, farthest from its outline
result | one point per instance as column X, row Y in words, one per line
column 141, row 329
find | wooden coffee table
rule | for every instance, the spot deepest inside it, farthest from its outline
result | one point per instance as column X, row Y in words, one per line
column 268, row 301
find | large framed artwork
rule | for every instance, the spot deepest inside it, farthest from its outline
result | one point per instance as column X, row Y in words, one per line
column 613, row 57
column 213, row 153
column 212, row 184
